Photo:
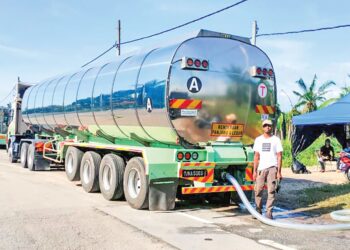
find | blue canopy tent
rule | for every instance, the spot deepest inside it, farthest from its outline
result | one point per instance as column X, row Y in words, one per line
column 330, row 120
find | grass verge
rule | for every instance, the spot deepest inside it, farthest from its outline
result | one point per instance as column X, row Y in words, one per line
column 325, row 199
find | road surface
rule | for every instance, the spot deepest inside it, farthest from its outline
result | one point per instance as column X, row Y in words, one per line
column 43, row 210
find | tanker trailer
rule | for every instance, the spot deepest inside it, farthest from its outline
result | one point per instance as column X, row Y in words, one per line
column 158, row 125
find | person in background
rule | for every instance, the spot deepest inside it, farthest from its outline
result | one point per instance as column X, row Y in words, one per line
column 267, row 167
column 326, row 154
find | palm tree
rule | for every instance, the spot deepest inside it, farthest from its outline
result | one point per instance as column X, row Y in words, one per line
column 309, row 97
column 344, row 90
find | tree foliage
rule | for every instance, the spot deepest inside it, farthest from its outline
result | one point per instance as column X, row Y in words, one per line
column 310, row 97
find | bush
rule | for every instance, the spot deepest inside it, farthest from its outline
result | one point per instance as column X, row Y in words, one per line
column 308, row 156
column 287, row 154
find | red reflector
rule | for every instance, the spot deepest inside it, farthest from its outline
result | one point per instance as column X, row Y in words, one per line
column 264, row 72
column 197, row 63
column 188, row 155
column 180, row 156
column 270, row 72
column 205, row 64
column 258, row 71
column 189, row 62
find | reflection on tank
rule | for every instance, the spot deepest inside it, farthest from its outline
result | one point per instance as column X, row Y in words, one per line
column 130, row 97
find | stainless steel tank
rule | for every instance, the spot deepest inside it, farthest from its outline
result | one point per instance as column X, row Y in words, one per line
column 158, row 96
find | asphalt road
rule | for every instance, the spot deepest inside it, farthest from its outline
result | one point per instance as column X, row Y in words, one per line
column 43, row 210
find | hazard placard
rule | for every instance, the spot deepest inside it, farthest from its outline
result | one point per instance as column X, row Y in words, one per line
column 262, row 90
column 227, row 129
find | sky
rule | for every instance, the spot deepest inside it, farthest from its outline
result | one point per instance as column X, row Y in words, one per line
column 44, row 38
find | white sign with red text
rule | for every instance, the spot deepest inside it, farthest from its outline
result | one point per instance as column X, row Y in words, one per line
column 262, row 90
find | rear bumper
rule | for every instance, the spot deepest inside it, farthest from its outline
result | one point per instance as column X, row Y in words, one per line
column 214, row 189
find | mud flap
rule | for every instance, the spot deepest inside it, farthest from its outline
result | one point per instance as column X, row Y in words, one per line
column 41, row 164
column 162, row 194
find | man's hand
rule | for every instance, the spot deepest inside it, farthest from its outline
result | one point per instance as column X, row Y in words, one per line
column 279, row 176
column 254, row 175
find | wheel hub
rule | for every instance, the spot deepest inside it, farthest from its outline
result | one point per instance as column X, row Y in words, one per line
column 134, row 183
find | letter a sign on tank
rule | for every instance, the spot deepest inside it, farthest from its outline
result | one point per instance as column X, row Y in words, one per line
column 194, row 84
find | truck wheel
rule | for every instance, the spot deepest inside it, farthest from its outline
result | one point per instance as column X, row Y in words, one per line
column 31, row 157
column 89, row 170
column 24, row 151
column 72, row 163
column 111, row 175
column 136, row 184
column 10, row 154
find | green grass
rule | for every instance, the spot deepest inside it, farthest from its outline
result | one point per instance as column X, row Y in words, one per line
column 308, row 156
column 326, row 199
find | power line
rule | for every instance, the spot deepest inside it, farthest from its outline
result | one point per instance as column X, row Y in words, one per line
column 8, row 95
column 185, row 24
column 97, row 57
column 165, row 31
column 304, row 31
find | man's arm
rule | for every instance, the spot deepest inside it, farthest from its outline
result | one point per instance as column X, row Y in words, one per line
column 332, row 150
column 256, row 164
column 279, row 165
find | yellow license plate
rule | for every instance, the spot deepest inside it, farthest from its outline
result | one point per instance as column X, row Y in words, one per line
column 227, row 129
column 2, row 137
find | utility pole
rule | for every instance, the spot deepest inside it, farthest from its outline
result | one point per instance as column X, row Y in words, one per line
column 254, row 32
column 119, row 29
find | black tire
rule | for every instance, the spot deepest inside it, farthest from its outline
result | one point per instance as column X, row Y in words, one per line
column 135, row 184
column 31, row 157
column 24, row 152
column 89, row 170
column 348, row 175
column 10, row 153
column 111, row 176
column 72, row 163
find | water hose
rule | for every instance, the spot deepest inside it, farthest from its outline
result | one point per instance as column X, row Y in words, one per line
column 289, row 225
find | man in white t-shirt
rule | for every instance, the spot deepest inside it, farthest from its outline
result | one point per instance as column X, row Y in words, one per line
column 267, row 166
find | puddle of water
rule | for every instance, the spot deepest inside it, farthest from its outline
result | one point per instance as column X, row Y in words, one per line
column 279, row 213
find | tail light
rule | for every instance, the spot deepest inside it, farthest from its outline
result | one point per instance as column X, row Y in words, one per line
column 194, row 155
column 180, row 156
column 194, row 63
column 205, row 64
column 187, row 155
column 190, row 62
column 261, row 72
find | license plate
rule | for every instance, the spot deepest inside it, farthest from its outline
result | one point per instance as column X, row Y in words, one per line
column 194, row 173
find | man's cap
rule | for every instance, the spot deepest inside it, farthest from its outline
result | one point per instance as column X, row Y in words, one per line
column 268, row 122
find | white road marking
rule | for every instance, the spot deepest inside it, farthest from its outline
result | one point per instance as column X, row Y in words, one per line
column 195, row 218
column 275, row 244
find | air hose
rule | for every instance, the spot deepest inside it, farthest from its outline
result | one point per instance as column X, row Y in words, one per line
column 289, row 225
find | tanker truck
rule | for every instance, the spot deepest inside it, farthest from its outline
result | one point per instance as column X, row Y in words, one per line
column 154, row 127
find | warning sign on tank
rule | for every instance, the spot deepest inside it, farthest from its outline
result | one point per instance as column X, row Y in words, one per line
column 227, row 129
